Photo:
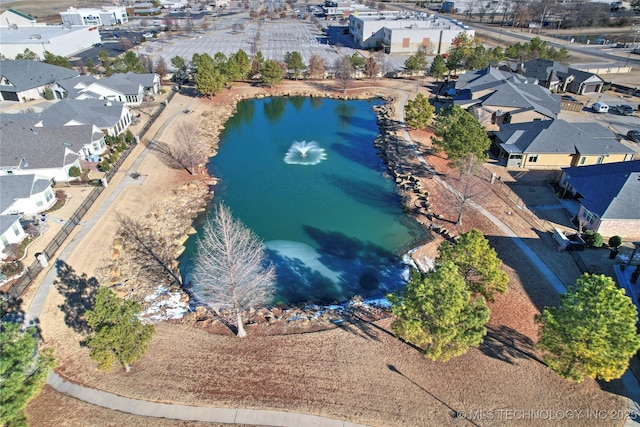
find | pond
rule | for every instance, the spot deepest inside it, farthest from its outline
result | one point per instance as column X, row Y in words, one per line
column 304, row 175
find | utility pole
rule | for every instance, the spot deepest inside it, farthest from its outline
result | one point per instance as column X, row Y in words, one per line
column 632, row 47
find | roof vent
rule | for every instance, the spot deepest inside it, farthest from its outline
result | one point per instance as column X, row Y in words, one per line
column 107, row 104
column 35, row 36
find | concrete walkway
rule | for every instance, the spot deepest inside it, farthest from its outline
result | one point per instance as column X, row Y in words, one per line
column 192, row 413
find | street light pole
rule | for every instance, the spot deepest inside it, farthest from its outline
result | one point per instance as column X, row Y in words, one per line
column 632, row 47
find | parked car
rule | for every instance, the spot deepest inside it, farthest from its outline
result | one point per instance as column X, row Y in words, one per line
column 568, row 98
column 634, row 135
column 97, row 45
column 625, row 109
column 116, row 35
column 147, row 35
column 600, row 107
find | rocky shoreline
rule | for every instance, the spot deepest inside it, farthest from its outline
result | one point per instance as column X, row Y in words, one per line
column 170, row 221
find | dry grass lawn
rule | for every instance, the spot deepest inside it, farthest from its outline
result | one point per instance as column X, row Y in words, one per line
column 357, row 372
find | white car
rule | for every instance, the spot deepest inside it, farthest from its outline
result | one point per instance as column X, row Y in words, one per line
column 600, row 107
column 148, row 35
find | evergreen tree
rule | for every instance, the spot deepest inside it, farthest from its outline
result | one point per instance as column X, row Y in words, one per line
column 91, row 66
column 592, row 333
column 118, row 334
column 240, row 64
column 357, row 61
column 416, row 62
column 132, row 63
column 438, row 67
column 256, row 65
column 460, row 52
column 477, row 262
column 209, row 79
column 181, row 73
column 418, row 112
column 294, row 62
column 436, row 313
column 460, row 135
column 272, row 73
column 23, row 371
column 28, row 54
column 58, row 60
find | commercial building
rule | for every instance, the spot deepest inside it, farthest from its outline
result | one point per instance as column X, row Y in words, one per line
column 404, row 32
column 107, row 15
column 63, row 40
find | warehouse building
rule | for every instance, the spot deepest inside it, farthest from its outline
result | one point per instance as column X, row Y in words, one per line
column 403, row 32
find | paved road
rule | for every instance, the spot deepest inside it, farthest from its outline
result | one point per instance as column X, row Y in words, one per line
column 593, row 50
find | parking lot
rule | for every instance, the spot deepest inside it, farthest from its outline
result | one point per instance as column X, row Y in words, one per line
column 618, row 123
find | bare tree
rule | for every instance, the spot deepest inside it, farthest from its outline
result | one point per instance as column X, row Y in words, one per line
column 316, row 67
column 372, row 68
column 344, row 71
column 147, row 63
column 190, row 151
column 467, row 189
column 161, row 68
column 230, row 268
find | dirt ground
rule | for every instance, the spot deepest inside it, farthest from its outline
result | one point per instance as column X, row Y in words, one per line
column 357, row 372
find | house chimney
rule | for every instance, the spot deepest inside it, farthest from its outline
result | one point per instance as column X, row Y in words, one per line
column 107, row 104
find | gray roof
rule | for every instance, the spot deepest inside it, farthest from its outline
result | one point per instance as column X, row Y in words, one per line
column 540, row 69
column 146, row 80
column 87, row 111
column 580, row 76
column 559, row 136
column 507, row 90
column 121, row 83
column 610, row 190
column 25, row 75
column 14, row 187
column 6, row 221
column 74, row 85
column 40, row 147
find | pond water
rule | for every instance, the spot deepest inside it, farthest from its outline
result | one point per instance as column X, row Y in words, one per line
column 304, row 175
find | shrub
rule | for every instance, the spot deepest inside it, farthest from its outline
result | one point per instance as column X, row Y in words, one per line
column 129, row 137
column 593, row 239
column 11, row 268
column 615, row 241
column 105, row 166
column 74, row 171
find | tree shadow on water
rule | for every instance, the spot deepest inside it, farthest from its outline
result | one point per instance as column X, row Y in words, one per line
column 508, row 345
column 79, row 292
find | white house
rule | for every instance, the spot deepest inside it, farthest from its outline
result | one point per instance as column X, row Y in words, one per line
column 129, row 88
column 25, row 194
column 23, row 80
column 10, row 232
column 48, row 152
column 403, row 32
column 107, row 15
column 111, row 117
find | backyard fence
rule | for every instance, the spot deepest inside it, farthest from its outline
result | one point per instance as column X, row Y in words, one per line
column 31, row 271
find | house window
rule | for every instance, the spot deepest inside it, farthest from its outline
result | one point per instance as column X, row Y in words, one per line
column 588, row 216
column 48, row 195
column 533, row 158
column 405, row 42
column 582, row 160
column 5, row 242
column 16, row 229
column 600, row 159
column 39, row 203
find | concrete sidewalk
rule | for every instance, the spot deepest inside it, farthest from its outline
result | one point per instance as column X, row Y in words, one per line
column 192, row 413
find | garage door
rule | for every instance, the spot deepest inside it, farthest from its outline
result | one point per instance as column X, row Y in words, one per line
column 590, row 88
column 9, row 96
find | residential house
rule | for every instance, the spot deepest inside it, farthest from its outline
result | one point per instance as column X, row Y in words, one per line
column 129, row 88
column 609, row 196
column 24, row 80
column 25, row 194
column 48, row 152
column 496, row 97
column 11, row 232
column 111, row 117
column 553, row 144
column 561, row 78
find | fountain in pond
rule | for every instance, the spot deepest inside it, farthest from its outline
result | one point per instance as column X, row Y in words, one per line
column 305, row 153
